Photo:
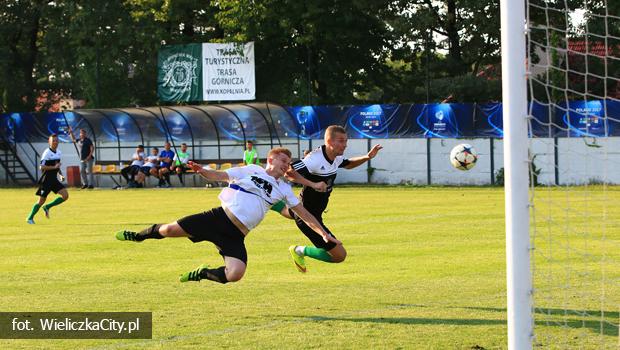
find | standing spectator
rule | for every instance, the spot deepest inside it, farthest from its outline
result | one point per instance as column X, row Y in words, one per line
column 180, row 162
column 250, row 156
column 137, row 161
column 87, row 158
column 165, row 162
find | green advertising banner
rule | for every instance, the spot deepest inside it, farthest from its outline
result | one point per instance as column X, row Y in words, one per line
column 179, row 73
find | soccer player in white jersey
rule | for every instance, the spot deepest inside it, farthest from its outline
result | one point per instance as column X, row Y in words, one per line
column 251, row 192
column 321, row 165
column 49, row 182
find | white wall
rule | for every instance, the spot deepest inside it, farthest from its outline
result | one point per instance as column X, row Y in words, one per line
column 404, row 161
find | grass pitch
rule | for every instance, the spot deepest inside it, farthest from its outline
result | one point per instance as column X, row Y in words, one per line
column 425, row 270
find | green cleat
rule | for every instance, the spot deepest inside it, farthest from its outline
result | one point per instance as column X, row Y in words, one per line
column 193, row 275
column 127, row 236
column 300, row 262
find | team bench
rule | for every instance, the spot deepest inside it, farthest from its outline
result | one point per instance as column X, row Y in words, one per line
column 112, row 167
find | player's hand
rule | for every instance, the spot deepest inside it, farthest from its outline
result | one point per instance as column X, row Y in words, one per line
column 319, row 186
column 373, row 152
column 57, row 166
column 330, row 238
column 195, row 166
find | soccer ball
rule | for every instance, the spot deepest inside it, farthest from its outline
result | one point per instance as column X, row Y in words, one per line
column 463, row 156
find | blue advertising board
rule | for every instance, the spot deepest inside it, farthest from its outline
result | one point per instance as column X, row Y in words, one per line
column 456, row 120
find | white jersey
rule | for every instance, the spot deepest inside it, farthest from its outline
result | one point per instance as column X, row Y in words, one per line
column 251, row 192
column 50, row 157
column 136, row 161
column 151, row 161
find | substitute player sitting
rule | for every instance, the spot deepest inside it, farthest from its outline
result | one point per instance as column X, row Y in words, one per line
column 165, row 162
column 180, row 162
column 252, row 190
column 150, row 167
column 49, row 182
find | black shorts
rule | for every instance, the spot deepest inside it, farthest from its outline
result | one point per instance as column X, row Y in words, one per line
column 214, row 226
column 314, row 237
column 133, row 169
column 49, row 185
column 183, row 168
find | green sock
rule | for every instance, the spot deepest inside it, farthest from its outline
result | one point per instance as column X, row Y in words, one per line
column 55, row 202
column 278, row 206
column 35, row 209
column 318, row 254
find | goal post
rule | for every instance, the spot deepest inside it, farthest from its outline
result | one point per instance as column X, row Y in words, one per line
column 561, row 110
column 516, row 174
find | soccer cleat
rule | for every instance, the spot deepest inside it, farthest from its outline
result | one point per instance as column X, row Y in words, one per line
column 46, row 210
column 193, row 275
column 30, row 221
column 127, row 236
column 300, row 262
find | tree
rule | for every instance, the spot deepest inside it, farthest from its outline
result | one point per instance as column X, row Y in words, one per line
column 310, row 52
column 307, row 52
column 19, row 28
column 468, row 30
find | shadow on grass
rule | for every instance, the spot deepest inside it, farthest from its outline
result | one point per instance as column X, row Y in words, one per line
column 108, row 224
column 561, row 317
column 407, row 320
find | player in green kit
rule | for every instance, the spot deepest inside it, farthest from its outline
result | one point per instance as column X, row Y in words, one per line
column 179, row 163
column 250, row 155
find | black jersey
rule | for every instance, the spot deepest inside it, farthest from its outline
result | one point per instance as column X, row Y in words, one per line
column 316, row 166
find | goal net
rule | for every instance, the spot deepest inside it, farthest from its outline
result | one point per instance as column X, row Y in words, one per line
column 573, row 80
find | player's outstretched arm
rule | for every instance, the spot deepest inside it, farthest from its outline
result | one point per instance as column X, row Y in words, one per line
column 357, row 161
column 211, row 175
column 311, row 221
column 296, row 177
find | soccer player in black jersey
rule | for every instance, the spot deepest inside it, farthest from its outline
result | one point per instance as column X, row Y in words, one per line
column 321, row 165
column 49, row 182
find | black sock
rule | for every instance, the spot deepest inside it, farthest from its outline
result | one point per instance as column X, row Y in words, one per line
column 167, row 177
column 217, row 275
column 149, row 232
column 181, row 178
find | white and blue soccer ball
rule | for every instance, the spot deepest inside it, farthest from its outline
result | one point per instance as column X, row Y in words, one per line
column 463, row 156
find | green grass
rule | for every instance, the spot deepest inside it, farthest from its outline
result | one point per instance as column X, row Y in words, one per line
column 425, row 270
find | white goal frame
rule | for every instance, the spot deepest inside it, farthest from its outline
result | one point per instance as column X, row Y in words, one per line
column 516, row 174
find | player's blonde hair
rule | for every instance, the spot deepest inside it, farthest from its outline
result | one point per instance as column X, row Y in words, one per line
column 332, row 130
column 279, row 150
